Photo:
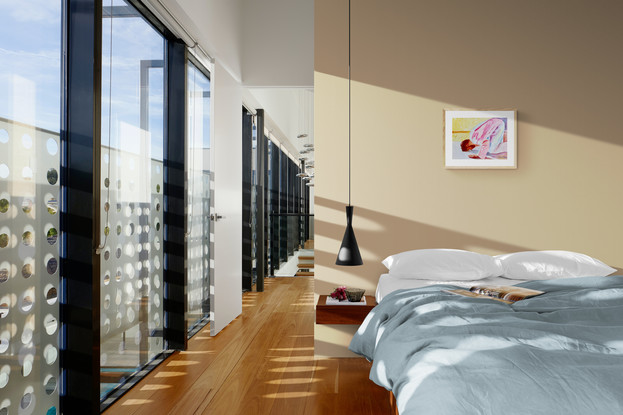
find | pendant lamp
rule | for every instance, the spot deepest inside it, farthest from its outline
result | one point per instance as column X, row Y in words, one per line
column 349, row 250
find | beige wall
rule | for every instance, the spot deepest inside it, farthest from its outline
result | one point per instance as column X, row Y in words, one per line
column 558, row 63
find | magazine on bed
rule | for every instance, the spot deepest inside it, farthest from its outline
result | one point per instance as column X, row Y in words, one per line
column 505, row 293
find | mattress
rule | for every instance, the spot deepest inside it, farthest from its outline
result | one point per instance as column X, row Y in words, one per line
column 389, row 283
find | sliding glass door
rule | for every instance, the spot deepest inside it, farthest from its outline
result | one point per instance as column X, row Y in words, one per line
column 198, row 174
column 131, row 227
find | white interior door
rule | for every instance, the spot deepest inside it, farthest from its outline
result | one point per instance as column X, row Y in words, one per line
column 226, row 285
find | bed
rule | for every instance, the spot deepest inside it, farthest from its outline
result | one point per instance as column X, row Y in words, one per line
column 557, row 353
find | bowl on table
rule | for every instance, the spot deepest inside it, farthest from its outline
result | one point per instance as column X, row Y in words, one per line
column 354, row 294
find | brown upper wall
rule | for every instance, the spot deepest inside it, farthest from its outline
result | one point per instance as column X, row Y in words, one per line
column 558, row 63
column 550, row 59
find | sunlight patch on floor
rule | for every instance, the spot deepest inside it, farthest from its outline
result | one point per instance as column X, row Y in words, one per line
column 287, row 359
column 291, row 349
column 289, row 395
column 153, row 387
column 136, row 402
column 293, row 369
column 292, row 381
column 197, row 352
column 182, row 363
column 170, row 374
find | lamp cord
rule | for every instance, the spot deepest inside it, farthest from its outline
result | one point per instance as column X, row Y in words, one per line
column 349, row 122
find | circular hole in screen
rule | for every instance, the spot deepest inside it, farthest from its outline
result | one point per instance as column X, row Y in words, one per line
column 26, row 336
column 52, row 266
column 50, row 354
column 27, row 141
column 27, row 173
column 50, row 385
column 50, row 323
column 4, row 309
column 52, row 146
column 27, row 271
column 4, row 205
column 52, row 236
column 52, row 176
column 27, row 303
column 51, row 296
column 52, row 205
column 28, row 238
column 4, row 344
column 26, row 400
column 27, row 205
column 4, row 171
column 27, row 365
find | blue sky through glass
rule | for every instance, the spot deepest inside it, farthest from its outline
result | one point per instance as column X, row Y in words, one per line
column 133, row 41
column 30, row 62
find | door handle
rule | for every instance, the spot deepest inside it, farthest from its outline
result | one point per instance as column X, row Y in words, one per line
column 214, row 217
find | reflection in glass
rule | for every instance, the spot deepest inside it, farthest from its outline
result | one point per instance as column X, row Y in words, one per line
column 132, row 140
column 30, row 110
column 198, row 198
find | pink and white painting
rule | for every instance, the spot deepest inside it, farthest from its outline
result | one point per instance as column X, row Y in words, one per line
column 480, row 139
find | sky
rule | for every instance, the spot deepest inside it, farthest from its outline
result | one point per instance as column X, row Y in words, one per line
column 30, row 72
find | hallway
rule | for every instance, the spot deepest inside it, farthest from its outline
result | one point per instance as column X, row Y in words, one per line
column 262, row 363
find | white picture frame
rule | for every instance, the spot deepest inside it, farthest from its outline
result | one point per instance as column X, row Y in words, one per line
column 480, row 139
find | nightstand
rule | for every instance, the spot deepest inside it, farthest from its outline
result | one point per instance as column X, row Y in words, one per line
column 343, row 314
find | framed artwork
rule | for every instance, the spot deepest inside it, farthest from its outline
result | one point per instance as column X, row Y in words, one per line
column 480, row 139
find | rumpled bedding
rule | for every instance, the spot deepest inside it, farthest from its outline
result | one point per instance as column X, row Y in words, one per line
column 557, row 353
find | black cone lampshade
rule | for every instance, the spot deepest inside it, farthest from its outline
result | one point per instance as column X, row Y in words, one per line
column 349, row 251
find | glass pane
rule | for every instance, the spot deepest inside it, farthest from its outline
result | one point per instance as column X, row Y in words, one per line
column 30, row 86
column 198, row 210
column 132, row 194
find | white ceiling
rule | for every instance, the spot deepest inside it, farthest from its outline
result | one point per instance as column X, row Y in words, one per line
column 268, row 46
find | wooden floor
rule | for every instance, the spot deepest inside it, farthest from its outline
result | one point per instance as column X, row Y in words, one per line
column 262, row 363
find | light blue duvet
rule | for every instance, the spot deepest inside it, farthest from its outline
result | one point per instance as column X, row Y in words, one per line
column 444, row 354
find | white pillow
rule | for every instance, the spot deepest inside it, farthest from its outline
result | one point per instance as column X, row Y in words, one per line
column 442, row 264
column 543, row 265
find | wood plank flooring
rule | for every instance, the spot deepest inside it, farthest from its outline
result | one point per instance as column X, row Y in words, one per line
column 262, row 363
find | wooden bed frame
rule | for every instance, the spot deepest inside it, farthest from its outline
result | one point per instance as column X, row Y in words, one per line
column 392, row 403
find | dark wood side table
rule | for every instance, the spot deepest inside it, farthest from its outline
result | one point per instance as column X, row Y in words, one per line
column 343, row 314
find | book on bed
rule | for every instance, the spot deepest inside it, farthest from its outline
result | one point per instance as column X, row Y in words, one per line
column 505, row 293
